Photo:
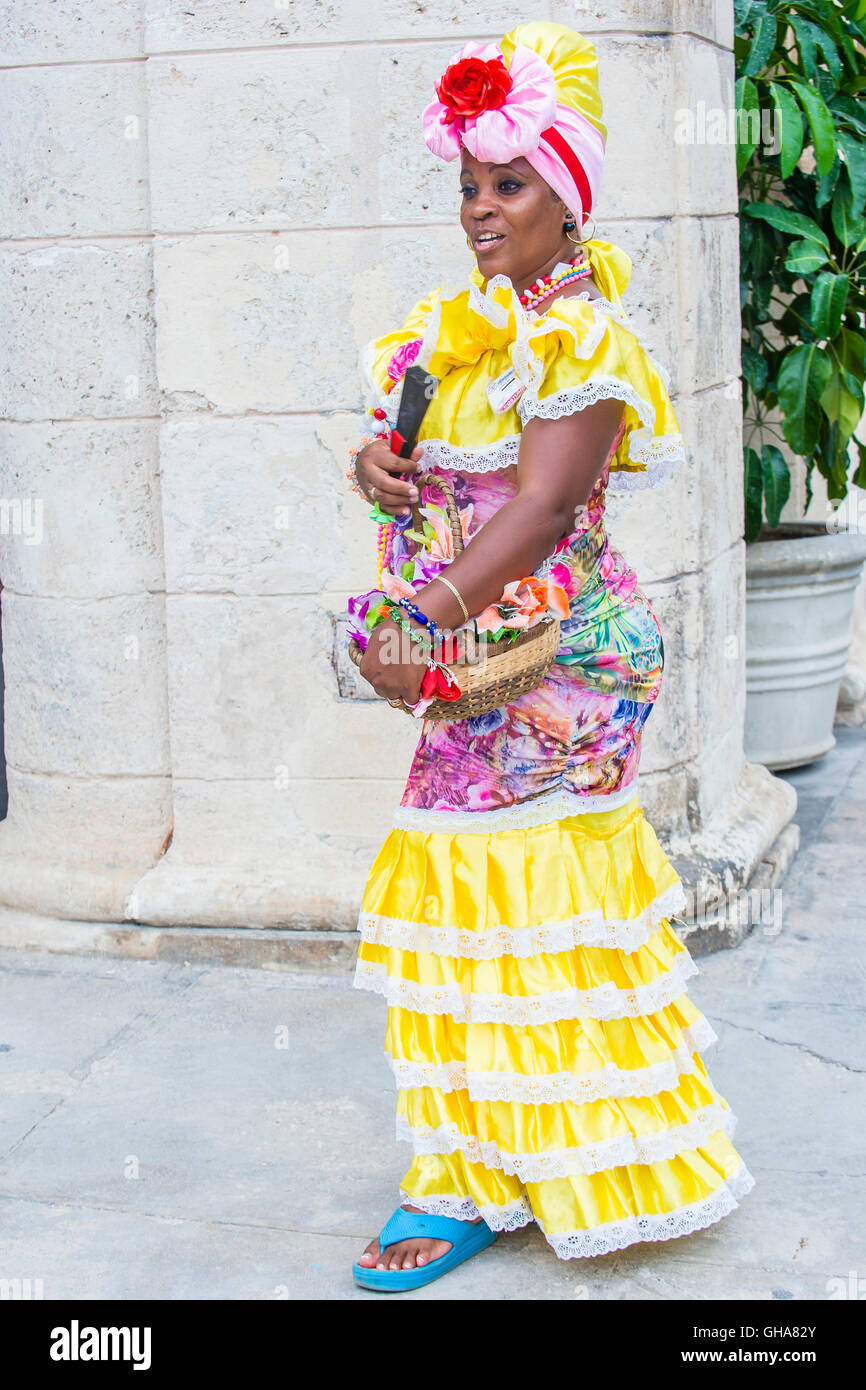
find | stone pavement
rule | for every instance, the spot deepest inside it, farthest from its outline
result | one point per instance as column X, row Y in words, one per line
column 211, row 1132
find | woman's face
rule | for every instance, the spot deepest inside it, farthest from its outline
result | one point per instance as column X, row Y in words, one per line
column 513, row 219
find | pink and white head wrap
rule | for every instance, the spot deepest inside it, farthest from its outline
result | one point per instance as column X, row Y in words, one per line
column 536, row 95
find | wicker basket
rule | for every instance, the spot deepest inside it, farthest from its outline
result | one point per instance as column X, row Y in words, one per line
column 491, row 673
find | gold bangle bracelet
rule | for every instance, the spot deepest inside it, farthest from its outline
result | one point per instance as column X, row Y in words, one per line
column 456, row 593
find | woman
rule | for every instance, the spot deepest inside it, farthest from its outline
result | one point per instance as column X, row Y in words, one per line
column 517, row 917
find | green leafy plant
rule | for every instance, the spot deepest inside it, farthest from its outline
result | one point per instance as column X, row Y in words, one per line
column 801, row 74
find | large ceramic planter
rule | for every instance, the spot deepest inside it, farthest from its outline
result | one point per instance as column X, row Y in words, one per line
column 800, row 584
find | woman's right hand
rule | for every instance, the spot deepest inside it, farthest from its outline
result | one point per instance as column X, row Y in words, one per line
column 378, row 473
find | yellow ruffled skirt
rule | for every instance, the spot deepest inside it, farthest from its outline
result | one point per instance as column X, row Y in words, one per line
column 546, row 1055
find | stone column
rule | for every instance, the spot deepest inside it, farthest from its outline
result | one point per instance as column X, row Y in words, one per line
column 83, row 604
column 294, row 212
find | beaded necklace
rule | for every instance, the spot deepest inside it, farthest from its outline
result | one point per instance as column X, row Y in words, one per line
column 383, row 549
column 546, row 285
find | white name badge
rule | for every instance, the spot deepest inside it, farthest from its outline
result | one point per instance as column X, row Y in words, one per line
column 504, row 390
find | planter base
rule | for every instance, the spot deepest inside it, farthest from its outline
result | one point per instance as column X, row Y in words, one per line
column 801, row 757
column 800, row 585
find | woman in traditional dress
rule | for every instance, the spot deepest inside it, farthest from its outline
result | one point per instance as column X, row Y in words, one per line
column 517, row 917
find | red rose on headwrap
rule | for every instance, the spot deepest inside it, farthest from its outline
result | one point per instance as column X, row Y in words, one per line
column 493, row 111
column 473, row 85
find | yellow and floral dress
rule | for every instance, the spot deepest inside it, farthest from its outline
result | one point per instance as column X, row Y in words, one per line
column 517, row 918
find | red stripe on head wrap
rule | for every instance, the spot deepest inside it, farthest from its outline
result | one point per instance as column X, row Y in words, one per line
column 561, row 147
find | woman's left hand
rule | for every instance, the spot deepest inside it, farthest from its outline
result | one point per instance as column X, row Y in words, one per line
column 393, row 664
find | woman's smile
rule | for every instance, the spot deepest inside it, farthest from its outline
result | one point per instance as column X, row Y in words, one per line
column 485, row 242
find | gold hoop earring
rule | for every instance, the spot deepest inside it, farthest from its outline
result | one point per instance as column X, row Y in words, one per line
column 469, row 243
column 571, row 225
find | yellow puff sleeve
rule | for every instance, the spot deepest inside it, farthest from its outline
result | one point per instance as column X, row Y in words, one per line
column 581, row 352
column 379, row 353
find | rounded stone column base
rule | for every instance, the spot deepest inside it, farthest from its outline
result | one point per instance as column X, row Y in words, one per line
column 300, row 910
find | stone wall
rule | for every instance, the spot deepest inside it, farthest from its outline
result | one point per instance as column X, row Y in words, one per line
column 211, row 207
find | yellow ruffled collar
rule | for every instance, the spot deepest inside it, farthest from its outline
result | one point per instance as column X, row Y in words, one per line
column 486, row 315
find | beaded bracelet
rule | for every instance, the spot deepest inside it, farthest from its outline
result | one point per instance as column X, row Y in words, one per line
column 413, row 632
column 379, row 416
column 415, row 612
column 350, row 472
column 394, row 606
column 437, row 637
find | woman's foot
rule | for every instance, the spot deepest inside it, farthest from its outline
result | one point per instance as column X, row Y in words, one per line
column 406, row 1254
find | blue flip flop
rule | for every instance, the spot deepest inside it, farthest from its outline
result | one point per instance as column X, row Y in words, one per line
column 466, row 1238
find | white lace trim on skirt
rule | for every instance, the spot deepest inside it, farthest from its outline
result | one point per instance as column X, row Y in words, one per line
column 543, row 810
column 509, row 1216
column 615, row 1235
column 611, row 1235
column 547, row 938
column 584, row 1158
column 606, row 1083
column 602, row 1002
